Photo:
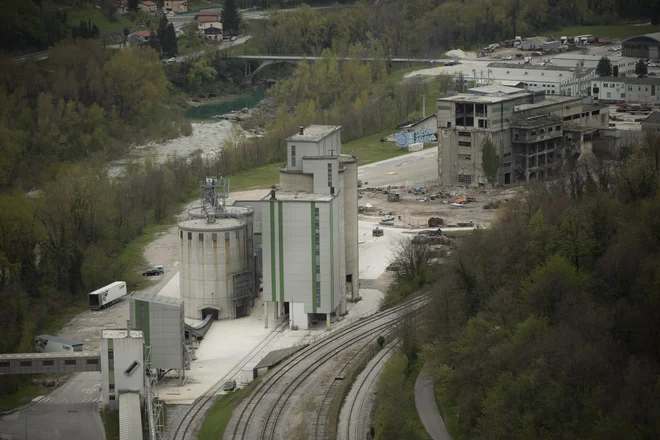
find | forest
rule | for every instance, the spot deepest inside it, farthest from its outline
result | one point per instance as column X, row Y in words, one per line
column 545, row 325
column 430, row 27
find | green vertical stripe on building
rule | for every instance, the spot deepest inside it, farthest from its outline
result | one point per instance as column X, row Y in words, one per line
column 137, row 316
column 332, row 259
column 272, row 250
column 313, row 234
column 146, row 324
column 281, row 261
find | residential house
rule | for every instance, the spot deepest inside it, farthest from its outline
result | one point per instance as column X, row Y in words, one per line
column 139, row 38
column 631, row 90
column 122, row 7
column 149, row 7
column 176, row 5
column 209, row 23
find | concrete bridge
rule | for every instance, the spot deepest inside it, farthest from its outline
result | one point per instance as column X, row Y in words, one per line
column 266, row 60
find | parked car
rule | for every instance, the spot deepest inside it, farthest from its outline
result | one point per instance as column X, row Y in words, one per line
column 233, row 38
column 151, row 272
column 230, row 385
column 172, row 60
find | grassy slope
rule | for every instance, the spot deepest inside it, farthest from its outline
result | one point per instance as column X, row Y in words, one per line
column 84, row 13
column 111, row 425
column 618, row 32
column 217, row 418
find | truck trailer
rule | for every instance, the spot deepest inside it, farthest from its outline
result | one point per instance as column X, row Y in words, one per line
column 106, row 296
column 55, row 344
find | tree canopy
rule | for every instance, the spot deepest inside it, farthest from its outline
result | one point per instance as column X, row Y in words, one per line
column 545, row 326
column 604, row 67
column 231, row 18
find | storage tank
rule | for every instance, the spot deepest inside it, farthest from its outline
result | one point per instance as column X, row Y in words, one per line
column 350, row 216
column 216, row 259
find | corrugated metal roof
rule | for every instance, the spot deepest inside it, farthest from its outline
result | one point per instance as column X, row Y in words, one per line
column 130, row 417
column 654, row 36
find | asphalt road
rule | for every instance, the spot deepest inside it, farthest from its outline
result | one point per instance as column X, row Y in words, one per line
column 414, row 169
column 427, row 408
column 69, row 412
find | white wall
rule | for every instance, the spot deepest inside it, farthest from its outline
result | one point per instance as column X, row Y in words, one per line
column 125, row 351
column 319, row 168
column 298, row 316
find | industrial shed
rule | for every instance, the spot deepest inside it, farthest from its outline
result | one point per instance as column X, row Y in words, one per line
column 642, row 46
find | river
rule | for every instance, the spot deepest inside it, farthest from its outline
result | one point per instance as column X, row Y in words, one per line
column 208, row 135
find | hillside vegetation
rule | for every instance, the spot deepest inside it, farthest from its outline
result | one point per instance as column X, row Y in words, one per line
column 545, row 326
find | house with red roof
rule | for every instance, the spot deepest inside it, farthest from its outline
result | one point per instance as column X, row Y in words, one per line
column 139, row 38
column 148, row 6
column 209, row 23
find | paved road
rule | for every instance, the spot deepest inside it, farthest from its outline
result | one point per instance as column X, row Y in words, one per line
column 224, row 46
column 69, row 412
column 411, row 169
column 427, row 408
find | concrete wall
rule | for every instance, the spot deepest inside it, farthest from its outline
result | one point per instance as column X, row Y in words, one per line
column 349, row 193
column 319, row 169
column 296, row 182
column 298, row 316
column 163, row 329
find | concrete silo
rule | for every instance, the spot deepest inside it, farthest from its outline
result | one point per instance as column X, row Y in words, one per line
column 349, row 192
column 217, row 258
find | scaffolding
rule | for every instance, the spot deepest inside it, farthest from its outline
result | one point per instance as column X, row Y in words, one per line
column 153, row 406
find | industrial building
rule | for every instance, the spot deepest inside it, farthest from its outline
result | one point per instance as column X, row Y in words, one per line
column 122, row 365
column 609, row 89
column 217, row 256
column 556, row 80
column 308, row 230
column 624, row 64
column 525, row 126
column 161, row 321
column 642, row 46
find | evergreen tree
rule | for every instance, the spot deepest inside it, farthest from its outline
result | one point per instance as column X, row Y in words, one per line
column 641, row 69
column 604, row 67
column 170, row 36
column 133, row 5
column 231, row 19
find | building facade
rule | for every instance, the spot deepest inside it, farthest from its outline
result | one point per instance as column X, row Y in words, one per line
column 609, row 89
column 308, row 230
column 642, row 46
column 176, row 5
column 625, row 64
column 122, row 365
column 525, row 127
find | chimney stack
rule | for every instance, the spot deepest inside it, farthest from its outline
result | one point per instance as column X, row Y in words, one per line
column 272, row 193
column 302, row 130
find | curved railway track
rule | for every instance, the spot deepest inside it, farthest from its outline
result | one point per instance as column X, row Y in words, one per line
column 275, row 391
column 202, row 404
column 370, row 375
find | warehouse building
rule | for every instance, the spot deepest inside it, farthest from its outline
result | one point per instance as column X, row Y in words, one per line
column 625, row 65
column 556, row 80
column 307, row 230
column 642, row 46
column 607, row 89
column 525, row 126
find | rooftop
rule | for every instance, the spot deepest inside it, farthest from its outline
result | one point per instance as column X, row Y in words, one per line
column 494, row 89
column 654, row 36
column 155, row 298
column 630, row 80
column 300, row 196
column 119, row 333
column 221, row 224
column 210, row 12
column 549, row 100
column 536, row 121
column 485, row 98
column 78, row 354
column 313, row 133
column 533, row 67
column 149, row 3
column 144, row 33
column 653, row 118
column 208, row 19
column 576, row 127
column 579, row 57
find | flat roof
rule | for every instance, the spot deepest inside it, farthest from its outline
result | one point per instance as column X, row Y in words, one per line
column 276, row 356
column 76, row 354
column 314, row 133
column 221, row 224
column 596, row 58
column 60, row 340
column 549, row 100
column 485, row 98
column 537, row 67
column 648, row 80
column 535, row 121
column 300, row 196
column 119, row 333
column 109, row 286
column 493, row 89
column 155, row 298
column 575, row 127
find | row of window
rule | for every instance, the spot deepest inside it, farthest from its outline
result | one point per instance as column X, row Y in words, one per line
column 317, row 237
column 49, row 363
column 630, row 88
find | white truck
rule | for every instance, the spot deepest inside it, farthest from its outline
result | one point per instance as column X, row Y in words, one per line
column 55, row 344
column 106, row 296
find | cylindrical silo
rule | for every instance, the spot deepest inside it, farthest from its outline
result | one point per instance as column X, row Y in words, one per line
column 214, row 267
column 350, row 195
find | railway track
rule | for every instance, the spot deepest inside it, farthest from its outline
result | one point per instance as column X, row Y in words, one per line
column 194, row 416
column 275, row 391
column 370, row 375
